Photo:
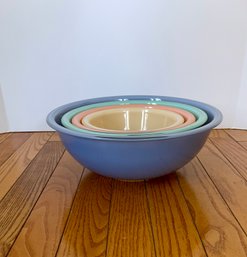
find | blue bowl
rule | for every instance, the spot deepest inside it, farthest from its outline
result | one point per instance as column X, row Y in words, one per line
column 134, row 158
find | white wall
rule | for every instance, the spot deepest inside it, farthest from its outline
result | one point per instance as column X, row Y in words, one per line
column 54, row 52
column 241, row 109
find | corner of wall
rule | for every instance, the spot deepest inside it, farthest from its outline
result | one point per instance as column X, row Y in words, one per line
column 4, row 125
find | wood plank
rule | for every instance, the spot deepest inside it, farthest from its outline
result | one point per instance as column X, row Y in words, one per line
column 174, row 231
column 19, row 201
column 237, row 134
column 18, row 161
column 86, row 231
column 234, row 152
column 216, row 133
column 218, row 229
column 41, row 233
column 130, row 232
column 11, row 144
column 3, row 136
column 232, row 187
column 243, row 144
column 55, row 137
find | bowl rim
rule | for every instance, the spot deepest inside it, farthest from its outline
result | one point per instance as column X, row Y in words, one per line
column 216, row 120
column 201, row 118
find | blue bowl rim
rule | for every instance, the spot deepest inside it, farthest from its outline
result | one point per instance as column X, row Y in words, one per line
column 217, row 117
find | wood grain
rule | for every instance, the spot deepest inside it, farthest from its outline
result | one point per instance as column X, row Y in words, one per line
column 218, row 229
column 173, row 227
column 19, row 201
column 130, row 232
column 232, row 187
column 86, row 231
column 11, row 144
column 19, row 160
column 41, row 233
column 55, row 137
column 3, row 136
column 234, row 152
column 237, row 134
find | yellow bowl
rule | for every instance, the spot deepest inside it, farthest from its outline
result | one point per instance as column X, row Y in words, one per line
column 132, row 119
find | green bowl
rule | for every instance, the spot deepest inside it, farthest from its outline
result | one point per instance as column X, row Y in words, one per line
column 201, row 118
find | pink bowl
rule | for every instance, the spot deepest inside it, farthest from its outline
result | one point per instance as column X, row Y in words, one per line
column 77, row 120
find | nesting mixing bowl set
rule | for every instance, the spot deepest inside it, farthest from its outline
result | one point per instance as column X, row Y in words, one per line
column 134, row 137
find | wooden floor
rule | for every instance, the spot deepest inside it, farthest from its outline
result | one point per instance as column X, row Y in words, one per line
column 52, row 206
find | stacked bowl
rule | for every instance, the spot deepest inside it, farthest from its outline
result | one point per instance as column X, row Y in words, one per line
column 134, row 137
